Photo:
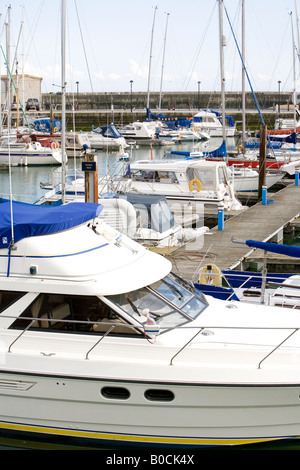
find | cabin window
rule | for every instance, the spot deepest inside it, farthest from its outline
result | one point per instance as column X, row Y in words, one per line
column 7, row 298
column 80, row 314
column 159, row 395
column 115, row 393
column 170, row 302
column 167, row 177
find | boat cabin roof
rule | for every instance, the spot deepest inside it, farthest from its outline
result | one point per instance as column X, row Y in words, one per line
column 32, row 220
column 174, row 165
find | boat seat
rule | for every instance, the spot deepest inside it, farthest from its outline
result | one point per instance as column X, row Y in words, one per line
column 61, row 312
column 119, row 328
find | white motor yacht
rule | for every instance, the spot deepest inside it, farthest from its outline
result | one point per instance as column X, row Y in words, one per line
column 184, row 181
column 102, row 345
column 209, row 122
column 106, row 137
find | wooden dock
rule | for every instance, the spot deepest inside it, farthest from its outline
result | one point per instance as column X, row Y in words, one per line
column 259, row 222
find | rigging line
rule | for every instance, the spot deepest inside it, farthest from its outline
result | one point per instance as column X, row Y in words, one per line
column 187, row 79
column 83, row 46
column 246, row 72
column 28, row 22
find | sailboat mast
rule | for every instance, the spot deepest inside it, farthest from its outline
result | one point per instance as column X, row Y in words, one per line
column 222, row 44
column 63, row 89
column 294, row 72
column 243, row 78
column 150, row 61
column 162, row 67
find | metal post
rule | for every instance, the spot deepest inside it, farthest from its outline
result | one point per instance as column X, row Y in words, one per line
column 90, row 168
column 221, row 218
column 264, row 195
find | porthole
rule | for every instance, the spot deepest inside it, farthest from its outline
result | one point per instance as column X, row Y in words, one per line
column 115, row 393
column 159, row 395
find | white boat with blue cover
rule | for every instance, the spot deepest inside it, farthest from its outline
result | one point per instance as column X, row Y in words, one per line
column 106, row 137
column 102, row 345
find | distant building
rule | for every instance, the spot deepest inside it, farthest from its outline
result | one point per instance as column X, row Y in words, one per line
column 30, row 87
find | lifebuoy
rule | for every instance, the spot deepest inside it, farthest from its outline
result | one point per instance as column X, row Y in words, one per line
column 197, row 182
column 210, row 274
column 53, row 145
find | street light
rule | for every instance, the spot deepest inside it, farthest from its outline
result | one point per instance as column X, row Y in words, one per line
column 131, row 82
column 77, row 84
column 199, row 83
column 279, row 96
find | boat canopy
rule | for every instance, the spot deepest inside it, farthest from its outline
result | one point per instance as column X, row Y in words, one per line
column 44, row 125
column 172, row 122
column 30, row 220
column 108, row 131
column 153, row 210
column 199, row 118
column 275, row 248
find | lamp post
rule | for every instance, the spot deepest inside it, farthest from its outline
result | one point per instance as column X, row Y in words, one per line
column 131, row 82
column 279, row 96
column 77, row 84
column 199, row 83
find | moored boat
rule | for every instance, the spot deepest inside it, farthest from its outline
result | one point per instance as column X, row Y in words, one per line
column 117, row 350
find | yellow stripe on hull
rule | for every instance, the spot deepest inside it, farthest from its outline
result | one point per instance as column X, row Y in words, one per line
column 138, row 439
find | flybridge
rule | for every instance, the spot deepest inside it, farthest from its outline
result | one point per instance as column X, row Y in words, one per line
column 30, row 220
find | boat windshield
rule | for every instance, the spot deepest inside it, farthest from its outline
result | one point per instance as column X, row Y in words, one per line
column 170, row 302
column 206, row 176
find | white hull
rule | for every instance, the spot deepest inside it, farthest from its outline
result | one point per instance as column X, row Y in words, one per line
column 250, row 184
column 29, row 154
column 200, row 415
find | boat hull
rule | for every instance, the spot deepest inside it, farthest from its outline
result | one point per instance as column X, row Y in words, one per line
column 199, row 415
column 29, row 159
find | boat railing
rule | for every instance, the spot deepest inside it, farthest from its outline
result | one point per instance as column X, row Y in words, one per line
column 111, row 326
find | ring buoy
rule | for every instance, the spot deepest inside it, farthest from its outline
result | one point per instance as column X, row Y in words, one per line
column 53, row 145
column 197, row 182
column 210, row 274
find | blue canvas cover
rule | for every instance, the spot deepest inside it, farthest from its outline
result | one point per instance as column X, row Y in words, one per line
column 44, row 125
column 30, row 220
column 274, row 248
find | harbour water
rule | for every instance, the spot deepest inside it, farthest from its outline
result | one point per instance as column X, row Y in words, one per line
column 25, row 181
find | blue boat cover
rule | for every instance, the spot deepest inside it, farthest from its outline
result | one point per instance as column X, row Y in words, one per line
column 274, row 248
column 30, row 220
column 44, row 125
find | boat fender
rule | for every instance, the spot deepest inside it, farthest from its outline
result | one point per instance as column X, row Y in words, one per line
column 210, row 274
column 240, row 149
column 195, row 182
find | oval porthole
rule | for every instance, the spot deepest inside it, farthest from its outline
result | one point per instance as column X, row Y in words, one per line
column 159, row 395
column 117, row 393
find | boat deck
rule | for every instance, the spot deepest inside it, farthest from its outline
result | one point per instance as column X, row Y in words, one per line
column 259, row 222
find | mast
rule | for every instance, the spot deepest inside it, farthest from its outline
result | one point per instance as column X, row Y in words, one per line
column 222, row 44
column 150, row 60
column 294, row 73
column 63, row 89
column 243, row 79
column 162, row 67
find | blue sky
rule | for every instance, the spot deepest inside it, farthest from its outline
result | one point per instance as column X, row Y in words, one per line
column 108, row 43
